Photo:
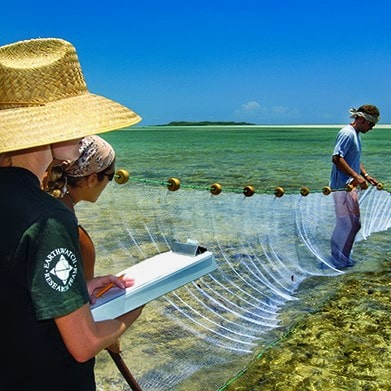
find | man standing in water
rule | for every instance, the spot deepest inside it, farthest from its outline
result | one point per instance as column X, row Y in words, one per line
column 347, row 169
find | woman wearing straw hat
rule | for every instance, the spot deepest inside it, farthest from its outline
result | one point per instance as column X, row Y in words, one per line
column 49, row 337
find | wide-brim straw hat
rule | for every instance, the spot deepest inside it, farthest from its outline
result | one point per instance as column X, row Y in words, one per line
column 44, row 98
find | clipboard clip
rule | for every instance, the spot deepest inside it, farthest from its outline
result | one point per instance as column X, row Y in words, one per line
column 191, row 247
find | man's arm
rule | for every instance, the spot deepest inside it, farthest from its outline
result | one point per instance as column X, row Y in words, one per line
column 342, row 165
column 373, row 181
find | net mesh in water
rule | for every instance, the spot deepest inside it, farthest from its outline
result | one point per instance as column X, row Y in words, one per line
column 202, row 333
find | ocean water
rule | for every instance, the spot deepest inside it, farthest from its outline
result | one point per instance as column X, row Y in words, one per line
column 264, row 157
column 273, row 284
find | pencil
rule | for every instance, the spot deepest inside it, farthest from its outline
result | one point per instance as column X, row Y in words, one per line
column 108, row 287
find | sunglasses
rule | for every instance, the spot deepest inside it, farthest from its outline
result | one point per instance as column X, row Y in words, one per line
column 110, row 176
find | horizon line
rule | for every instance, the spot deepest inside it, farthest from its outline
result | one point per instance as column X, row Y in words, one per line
column 381, row 126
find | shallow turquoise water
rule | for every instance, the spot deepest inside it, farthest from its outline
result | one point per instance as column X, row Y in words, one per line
column 264, row 157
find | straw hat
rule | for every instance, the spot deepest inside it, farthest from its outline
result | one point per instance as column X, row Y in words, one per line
column 44, row 98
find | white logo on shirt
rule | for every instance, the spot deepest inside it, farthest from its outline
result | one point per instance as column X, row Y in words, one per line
column 60, row 269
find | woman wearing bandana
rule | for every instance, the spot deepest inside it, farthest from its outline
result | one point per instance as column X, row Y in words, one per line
column 83, row 180
column 347, row 169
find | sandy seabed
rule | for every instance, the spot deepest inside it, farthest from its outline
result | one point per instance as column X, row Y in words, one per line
column 345, row 344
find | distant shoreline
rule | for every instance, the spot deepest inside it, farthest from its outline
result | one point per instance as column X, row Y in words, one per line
column 232, row 123
column 205, row 123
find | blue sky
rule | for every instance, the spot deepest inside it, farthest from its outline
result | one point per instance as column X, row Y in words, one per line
column 264, row 62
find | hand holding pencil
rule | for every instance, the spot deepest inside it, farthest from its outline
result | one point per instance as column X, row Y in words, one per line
column 100, row 285
column 107, row 287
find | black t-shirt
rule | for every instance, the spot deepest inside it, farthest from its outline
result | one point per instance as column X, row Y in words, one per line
column 41, row 278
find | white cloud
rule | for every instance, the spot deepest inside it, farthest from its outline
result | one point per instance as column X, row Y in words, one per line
column 253, row 111
column 250, row 108
column 279, row 110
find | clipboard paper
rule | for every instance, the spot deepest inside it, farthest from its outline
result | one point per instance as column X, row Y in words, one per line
column 153, row 277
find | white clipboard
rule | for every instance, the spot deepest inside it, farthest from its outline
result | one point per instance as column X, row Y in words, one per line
column 153, row 277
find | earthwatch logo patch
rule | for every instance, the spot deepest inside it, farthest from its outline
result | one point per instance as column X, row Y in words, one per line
column 60, row 269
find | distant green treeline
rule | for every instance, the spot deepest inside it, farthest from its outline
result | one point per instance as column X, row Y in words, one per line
column 205, row 123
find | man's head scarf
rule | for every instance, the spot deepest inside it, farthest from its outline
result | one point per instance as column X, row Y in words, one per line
column 370, row 118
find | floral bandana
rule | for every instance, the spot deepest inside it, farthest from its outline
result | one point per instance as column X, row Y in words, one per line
column 96, row 155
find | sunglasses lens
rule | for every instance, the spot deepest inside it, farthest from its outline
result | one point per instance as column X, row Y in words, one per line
column 110, row 176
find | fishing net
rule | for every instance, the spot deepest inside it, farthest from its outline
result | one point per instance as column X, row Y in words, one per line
column 202, row 333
